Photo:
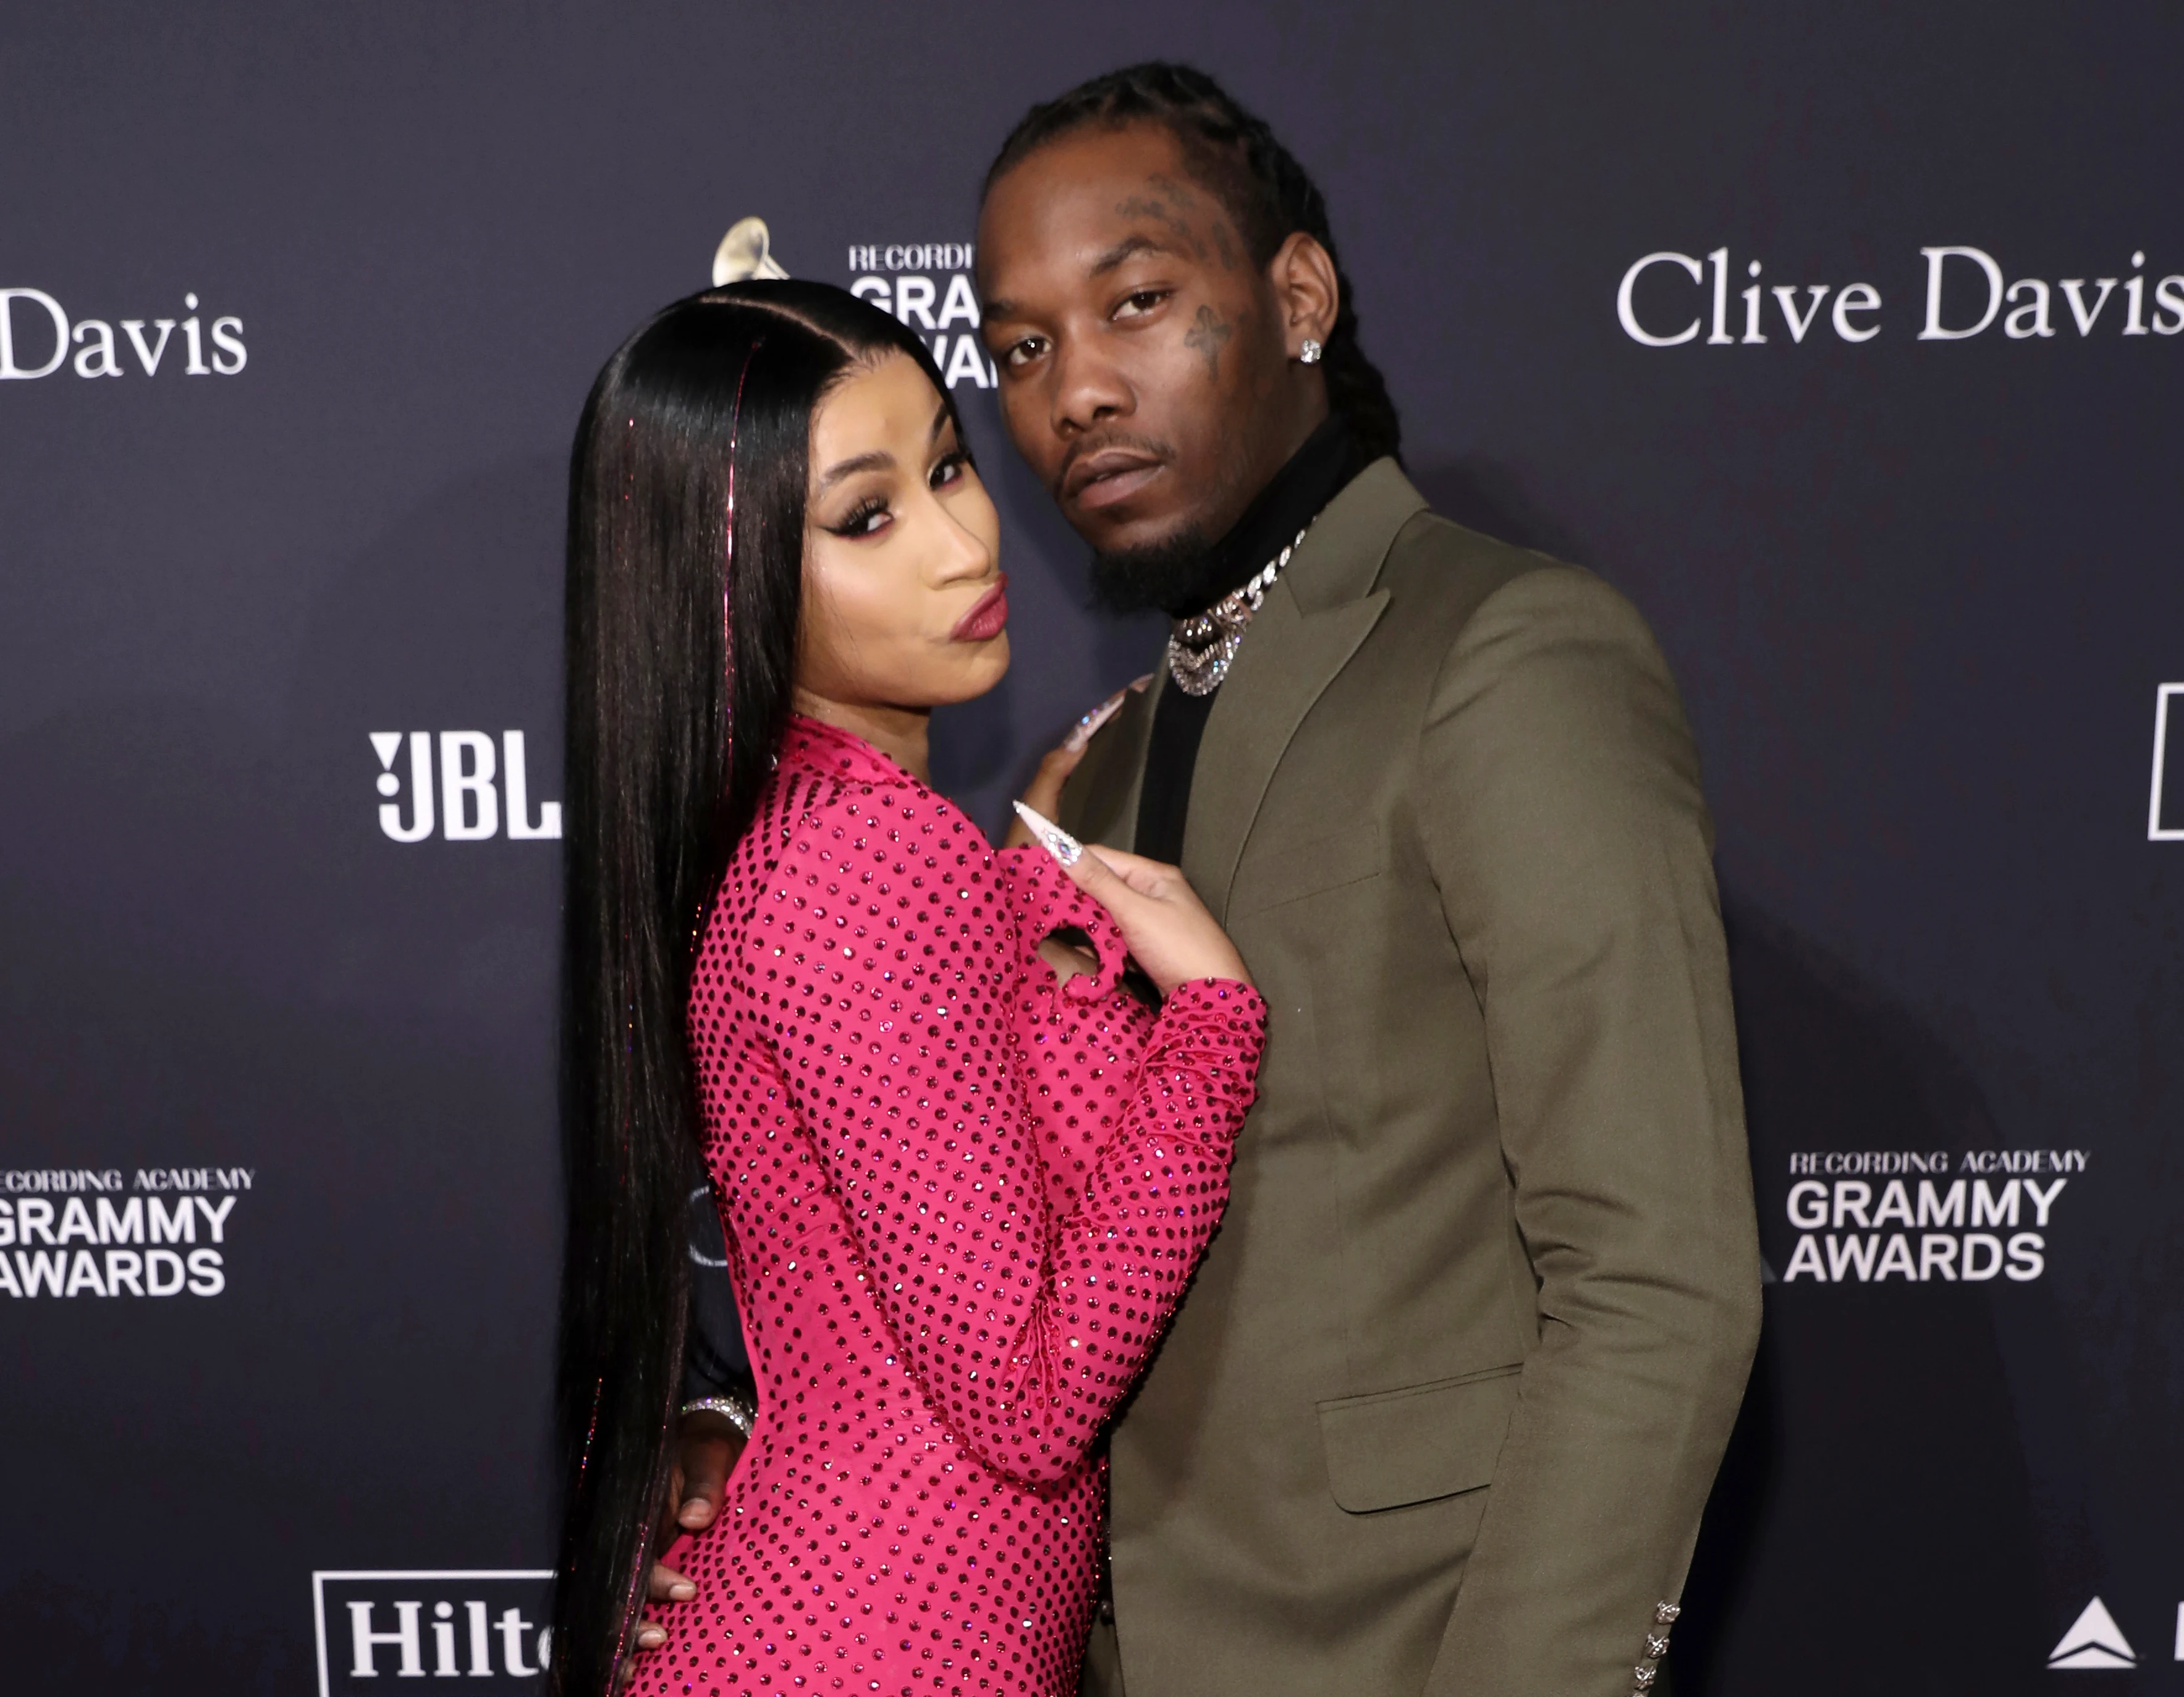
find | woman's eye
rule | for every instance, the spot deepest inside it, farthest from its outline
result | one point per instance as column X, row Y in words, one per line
column 1142, row 302
column 864, row 520
column 1024, row 352
column 950, row 469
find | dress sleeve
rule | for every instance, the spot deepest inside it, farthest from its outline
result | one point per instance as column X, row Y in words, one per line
column 1077, row 1045
column 883, row 960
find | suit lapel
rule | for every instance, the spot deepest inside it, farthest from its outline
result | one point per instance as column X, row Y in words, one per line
column 1289, row 657
column 1318, row 613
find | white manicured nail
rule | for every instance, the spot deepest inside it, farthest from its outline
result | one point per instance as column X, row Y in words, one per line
column 1051, row 837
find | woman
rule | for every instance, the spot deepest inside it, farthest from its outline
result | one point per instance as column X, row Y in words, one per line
column 964, row 1177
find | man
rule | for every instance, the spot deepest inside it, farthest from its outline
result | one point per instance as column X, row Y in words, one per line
column 1442, row 1409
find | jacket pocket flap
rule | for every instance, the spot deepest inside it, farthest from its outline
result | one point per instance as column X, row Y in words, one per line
column 1411, row 1445
column 1273, row 878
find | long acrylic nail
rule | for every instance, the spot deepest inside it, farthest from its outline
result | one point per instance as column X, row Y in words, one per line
column 1051, row 837
column 1085, row 728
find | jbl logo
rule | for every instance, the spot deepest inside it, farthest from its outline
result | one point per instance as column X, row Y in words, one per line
column 469, row 798
column 439, row 1625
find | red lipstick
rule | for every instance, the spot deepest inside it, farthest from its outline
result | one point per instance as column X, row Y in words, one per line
column 986, row 620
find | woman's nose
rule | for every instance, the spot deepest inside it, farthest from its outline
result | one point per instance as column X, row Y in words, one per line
column 963, row 553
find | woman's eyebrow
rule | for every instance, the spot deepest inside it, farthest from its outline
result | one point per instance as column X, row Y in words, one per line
column 876, row 461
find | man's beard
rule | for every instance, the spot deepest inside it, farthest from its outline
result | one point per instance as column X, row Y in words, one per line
column 1169, row 574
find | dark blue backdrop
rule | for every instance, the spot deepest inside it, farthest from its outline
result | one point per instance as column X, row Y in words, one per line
column 1920, row 592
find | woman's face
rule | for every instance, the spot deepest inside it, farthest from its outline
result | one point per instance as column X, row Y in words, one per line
column 904, row 603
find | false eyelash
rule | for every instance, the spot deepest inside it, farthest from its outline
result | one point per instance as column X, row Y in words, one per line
column 860, row 515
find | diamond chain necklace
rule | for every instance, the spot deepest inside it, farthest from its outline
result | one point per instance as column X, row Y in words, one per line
column 1201, row 648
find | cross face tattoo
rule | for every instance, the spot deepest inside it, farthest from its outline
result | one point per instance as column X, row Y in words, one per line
column 1208, row 334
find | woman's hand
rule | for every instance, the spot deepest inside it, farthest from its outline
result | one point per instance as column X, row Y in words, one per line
column 1165, row 927
column 1044, row 790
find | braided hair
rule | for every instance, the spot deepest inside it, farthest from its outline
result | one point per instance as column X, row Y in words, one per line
column 1257, row 181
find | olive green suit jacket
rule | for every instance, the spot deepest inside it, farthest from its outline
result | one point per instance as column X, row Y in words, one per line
column 1442, row 1408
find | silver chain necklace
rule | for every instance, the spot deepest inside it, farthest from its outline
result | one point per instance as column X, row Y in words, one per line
column 1201, row 648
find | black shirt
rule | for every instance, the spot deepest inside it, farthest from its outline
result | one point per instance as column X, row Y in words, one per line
column 1316, row 473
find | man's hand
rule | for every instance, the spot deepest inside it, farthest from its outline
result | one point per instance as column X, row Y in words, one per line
column 707, row 1446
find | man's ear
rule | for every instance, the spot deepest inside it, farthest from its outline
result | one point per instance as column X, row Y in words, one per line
column 1302, row 273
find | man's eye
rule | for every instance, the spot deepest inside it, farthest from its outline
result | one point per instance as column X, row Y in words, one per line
column 1023, row 353
column 1142, row 302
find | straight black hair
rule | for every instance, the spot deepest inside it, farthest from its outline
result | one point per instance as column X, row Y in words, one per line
column 1234, row 154
column 687, row 494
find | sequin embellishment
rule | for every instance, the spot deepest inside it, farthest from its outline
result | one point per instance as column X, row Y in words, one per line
column 961, row 1203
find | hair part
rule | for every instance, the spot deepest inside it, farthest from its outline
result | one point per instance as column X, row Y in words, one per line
column 1269, row 196
column 684, row 595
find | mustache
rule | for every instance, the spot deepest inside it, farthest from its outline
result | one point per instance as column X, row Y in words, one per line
column 1101, row 441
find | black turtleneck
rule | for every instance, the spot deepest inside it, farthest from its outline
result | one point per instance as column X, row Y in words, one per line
column 1315, row 474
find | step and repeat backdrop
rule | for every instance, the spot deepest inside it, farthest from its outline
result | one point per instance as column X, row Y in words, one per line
column 1847, row 341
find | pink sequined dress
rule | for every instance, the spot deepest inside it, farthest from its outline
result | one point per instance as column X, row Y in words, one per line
column 961, row 1203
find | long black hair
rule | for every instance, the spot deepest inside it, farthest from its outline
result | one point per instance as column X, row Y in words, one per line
column 687, row 491
column 1258, row 180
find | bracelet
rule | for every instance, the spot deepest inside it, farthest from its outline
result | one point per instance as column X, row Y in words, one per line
column 738, row 1411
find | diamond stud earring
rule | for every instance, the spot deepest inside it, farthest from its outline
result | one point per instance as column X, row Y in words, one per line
column 1309, row 354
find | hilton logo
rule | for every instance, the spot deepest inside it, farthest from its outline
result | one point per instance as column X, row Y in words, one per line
column 400, row 1625
column 473, row 777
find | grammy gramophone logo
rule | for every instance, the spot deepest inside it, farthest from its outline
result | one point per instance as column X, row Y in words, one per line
column 743, row 253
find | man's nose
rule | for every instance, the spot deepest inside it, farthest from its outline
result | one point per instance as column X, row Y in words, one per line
column 1087, row 389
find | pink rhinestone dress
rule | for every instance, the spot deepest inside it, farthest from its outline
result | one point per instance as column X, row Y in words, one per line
column 961, row 1203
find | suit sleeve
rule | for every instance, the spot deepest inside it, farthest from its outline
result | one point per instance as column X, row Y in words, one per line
column 1023, row 1324
column 1570, row 843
